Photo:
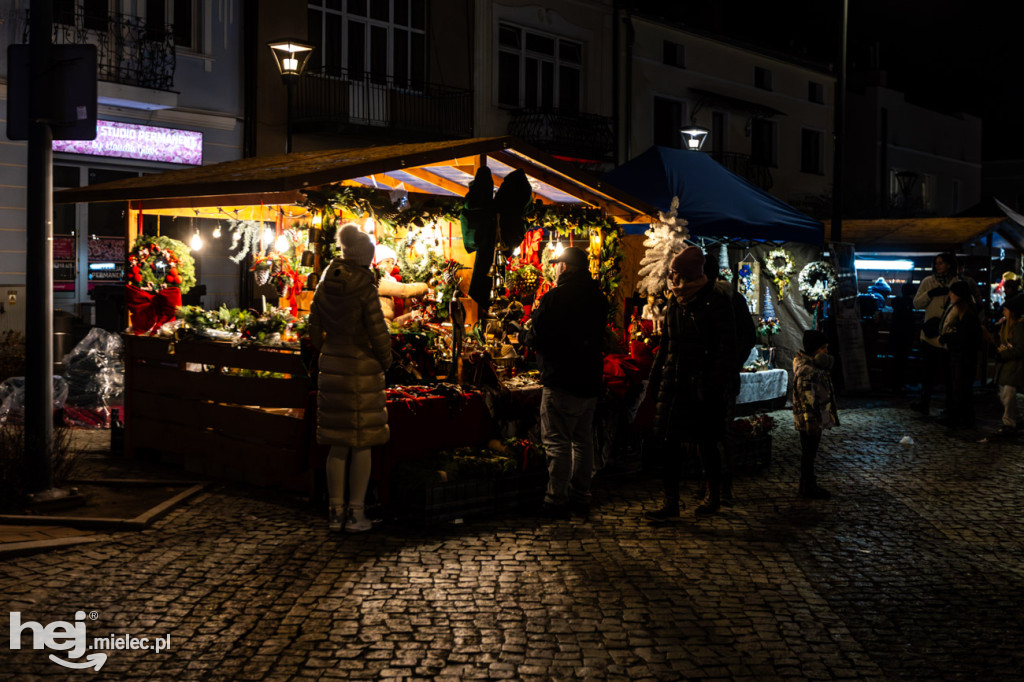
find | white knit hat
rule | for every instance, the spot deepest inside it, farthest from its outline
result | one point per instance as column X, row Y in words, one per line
column 356, row 245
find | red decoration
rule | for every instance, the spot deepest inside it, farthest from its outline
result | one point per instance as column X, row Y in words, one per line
column 150, row 311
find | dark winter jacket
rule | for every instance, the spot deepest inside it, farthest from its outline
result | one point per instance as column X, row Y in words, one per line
column 696, row 362
column 746, row 335
column 568, row 333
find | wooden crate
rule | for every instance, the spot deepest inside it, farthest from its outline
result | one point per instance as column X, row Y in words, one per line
column 182, row 406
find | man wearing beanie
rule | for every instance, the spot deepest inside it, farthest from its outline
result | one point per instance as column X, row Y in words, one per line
column 690, row 376
column 567, row 331
column 814, row 406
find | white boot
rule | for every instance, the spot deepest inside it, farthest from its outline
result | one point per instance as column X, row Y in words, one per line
column 336, row 518
column 357, row 521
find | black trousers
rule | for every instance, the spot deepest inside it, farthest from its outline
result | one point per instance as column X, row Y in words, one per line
column 936, row 367
column 674, row 454
column 809, row 442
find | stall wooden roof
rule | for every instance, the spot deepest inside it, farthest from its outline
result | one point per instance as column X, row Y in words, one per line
column 912, row 234
column 439, row 168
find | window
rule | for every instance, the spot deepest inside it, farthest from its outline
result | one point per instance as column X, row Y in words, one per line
column 762, row 78
column 815, row 92
column 88, row 14
column 762, row 142
column 717, row 132
column 179, row 16
column 812, row 158
column 378, row 39
column 668, row 120
column 537, row 70
column 674, row 54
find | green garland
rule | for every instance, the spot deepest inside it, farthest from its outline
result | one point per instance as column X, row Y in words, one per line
column 160, row 262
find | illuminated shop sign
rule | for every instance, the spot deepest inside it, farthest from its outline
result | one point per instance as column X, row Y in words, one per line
column 144, row 143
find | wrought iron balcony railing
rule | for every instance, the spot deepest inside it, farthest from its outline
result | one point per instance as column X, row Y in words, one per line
column 336, row 100
column 129, row 50
column 584, row 139
column 744, row 166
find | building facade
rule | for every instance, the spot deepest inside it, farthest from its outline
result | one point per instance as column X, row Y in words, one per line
column 769, row 119
column 904, row 160
column 169, row 96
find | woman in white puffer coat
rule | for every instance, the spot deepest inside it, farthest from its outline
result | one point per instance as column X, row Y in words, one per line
column 348, row 328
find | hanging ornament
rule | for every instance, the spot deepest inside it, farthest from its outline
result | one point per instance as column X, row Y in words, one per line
column 749, row 273
column 780, row 265
column 723, row 263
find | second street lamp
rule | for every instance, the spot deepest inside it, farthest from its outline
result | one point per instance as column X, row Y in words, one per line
column 291, row 57
column 694, row 136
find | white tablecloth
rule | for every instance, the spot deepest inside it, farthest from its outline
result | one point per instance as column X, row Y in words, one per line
column 766, row 385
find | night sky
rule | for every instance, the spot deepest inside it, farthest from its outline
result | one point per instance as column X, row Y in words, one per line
column 946, row 55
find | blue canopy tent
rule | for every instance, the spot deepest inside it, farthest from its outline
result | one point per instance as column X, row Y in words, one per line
column 714, row 201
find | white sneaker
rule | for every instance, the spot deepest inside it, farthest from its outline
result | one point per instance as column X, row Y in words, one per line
column 357, row 521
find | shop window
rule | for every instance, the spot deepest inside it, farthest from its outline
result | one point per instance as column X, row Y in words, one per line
column 762, row 78
column 538, row 71
column 815, row 92
column 762, row 142
column 812, row 152
column 674, row 54
column 668, row 120
column 384, row 40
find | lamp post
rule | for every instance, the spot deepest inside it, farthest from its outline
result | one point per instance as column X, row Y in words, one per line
column 291, row 57
column 906, row 181
column 694, row 136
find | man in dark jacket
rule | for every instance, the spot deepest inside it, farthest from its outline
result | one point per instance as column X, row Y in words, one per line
column 692, row 377
column 567, row 332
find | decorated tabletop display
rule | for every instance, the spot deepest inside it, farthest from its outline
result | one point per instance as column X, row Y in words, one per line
column 160, row 270
column 780, row 265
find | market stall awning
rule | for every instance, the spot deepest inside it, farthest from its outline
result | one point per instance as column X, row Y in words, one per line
column 436, row 168
column 913, row 234
column 714, row 201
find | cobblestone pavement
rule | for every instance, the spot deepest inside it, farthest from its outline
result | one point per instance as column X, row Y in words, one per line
column 913, row 570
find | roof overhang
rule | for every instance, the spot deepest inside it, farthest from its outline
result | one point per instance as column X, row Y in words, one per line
column 434, row 168
column 914, row 234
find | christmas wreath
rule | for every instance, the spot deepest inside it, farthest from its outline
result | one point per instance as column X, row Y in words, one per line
column 817, row 281
column 780, row 265
column 156, row 263
column 421, row 270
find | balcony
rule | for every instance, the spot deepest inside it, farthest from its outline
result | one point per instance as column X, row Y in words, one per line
column 586, row 140
column 746, row 167
column 129, row 51
column 338, row 101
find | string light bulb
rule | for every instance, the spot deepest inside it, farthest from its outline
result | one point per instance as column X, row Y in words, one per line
column 197, row 241
column 216, row 232
column 559, row 249
column 368, row 226
column 268, row 235
column 281, row 243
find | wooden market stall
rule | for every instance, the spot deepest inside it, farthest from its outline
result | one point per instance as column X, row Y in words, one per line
column 243, row 413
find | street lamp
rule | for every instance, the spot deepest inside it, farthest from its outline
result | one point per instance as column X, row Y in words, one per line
column 291, row 57
column 694, row 136
column 906, row 181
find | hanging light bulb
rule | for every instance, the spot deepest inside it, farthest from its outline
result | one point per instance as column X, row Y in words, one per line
column 517, row 251
column 268, row 235
column 281, row 243
column 559, row 248
column 318, row 219
column 197, row 241
column 368, row 225
column 216, row 232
